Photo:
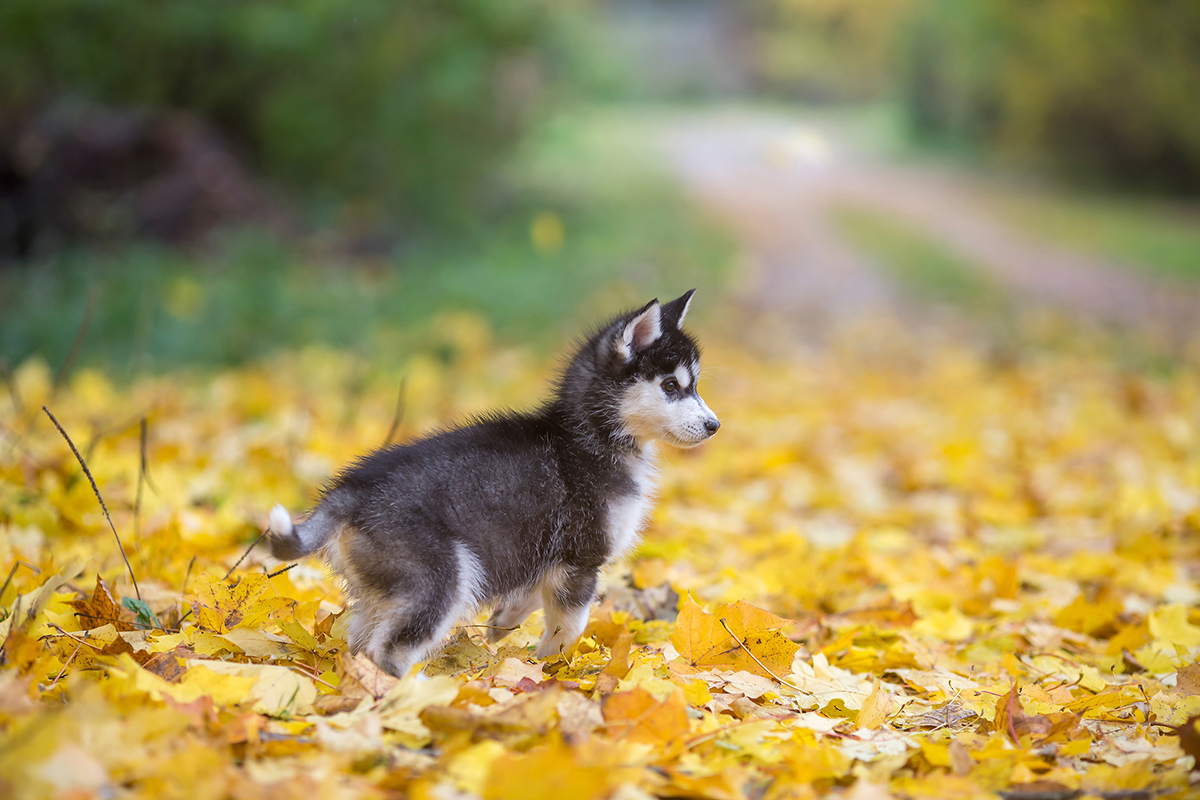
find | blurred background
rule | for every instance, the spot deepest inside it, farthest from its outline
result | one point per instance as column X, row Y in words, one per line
column 203, row 182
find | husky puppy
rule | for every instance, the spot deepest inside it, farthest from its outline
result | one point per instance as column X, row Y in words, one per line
column 517, row 509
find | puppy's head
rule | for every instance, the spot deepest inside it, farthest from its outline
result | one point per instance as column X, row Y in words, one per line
column 656, row 366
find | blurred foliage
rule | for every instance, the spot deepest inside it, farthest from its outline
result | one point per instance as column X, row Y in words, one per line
column 835, row 50
column 1103, row 89
column 408, row 102
column 593, row 224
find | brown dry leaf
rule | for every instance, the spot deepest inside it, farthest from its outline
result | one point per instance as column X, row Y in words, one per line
column 360, row 678
column 1012, row 721
column 101, row 609
column 1187, row 680
column 525, row 719
column 1189, row 737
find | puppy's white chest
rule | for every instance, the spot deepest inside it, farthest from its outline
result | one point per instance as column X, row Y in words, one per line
column 627, row 514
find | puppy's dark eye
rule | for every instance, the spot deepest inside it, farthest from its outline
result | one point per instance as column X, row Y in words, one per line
column 670, row 386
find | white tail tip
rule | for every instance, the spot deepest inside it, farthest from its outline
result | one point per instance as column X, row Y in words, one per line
column 281, row 520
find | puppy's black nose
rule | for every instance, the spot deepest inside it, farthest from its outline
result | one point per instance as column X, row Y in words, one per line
column 711, row 424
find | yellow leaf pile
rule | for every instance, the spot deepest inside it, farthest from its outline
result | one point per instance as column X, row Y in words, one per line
column 905, row 567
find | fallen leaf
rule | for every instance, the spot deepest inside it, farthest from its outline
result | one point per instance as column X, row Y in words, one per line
column 101, row 609
column 221, row 607
column 636, row 716
column 734, row 637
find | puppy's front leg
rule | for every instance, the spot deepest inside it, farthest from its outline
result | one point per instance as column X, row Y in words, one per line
column 567, row 595
column 511, row 613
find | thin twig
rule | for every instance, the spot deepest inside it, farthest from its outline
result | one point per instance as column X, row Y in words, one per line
column 80, row 335
column 8, row 580
column 145, row 473
column 96, row 489
column 399, row 415
column 945, row 724
column 238, row 563
column 188, row 574
column 16, row 564
column 74, row 639
column 493, row 627
column 67, row 663
column 742, row 645
column 317, row 678
column 281, row 571
column 1012, row 728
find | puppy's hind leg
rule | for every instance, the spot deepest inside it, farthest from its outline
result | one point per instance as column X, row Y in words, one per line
column 425, row 612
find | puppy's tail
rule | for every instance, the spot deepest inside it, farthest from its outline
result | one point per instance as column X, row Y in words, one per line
column 287, row 540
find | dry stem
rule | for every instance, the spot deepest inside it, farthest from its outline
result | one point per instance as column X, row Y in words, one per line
column 96, row 489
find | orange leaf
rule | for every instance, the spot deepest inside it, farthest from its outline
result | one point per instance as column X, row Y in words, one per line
column 704, row 643
column 636, row 716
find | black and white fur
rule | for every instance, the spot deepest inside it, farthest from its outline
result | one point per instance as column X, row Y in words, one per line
column 517, row 509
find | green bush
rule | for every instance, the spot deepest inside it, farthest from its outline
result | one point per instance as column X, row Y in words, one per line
column 1103, row 88
column 409, row 102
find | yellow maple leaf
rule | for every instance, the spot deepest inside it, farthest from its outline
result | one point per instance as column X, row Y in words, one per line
column 1170, row 624
column 736, row 636
column 221, row 607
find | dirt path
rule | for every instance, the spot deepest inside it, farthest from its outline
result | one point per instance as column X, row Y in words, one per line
column 776, row 180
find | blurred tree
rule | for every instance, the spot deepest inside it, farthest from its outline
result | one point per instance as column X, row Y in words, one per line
column 406, row 102
column 1097, row 88
column 833, row 50
column 1102, row 88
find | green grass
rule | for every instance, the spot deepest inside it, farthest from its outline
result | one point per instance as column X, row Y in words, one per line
column 1148, row 234
column 918, row 263
column 626, row 235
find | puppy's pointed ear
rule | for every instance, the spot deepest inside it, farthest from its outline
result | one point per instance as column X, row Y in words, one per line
column 674, row 311
column 640, row 331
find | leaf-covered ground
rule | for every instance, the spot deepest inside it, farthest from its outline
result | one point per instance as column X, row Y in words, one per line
column 906, row 567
